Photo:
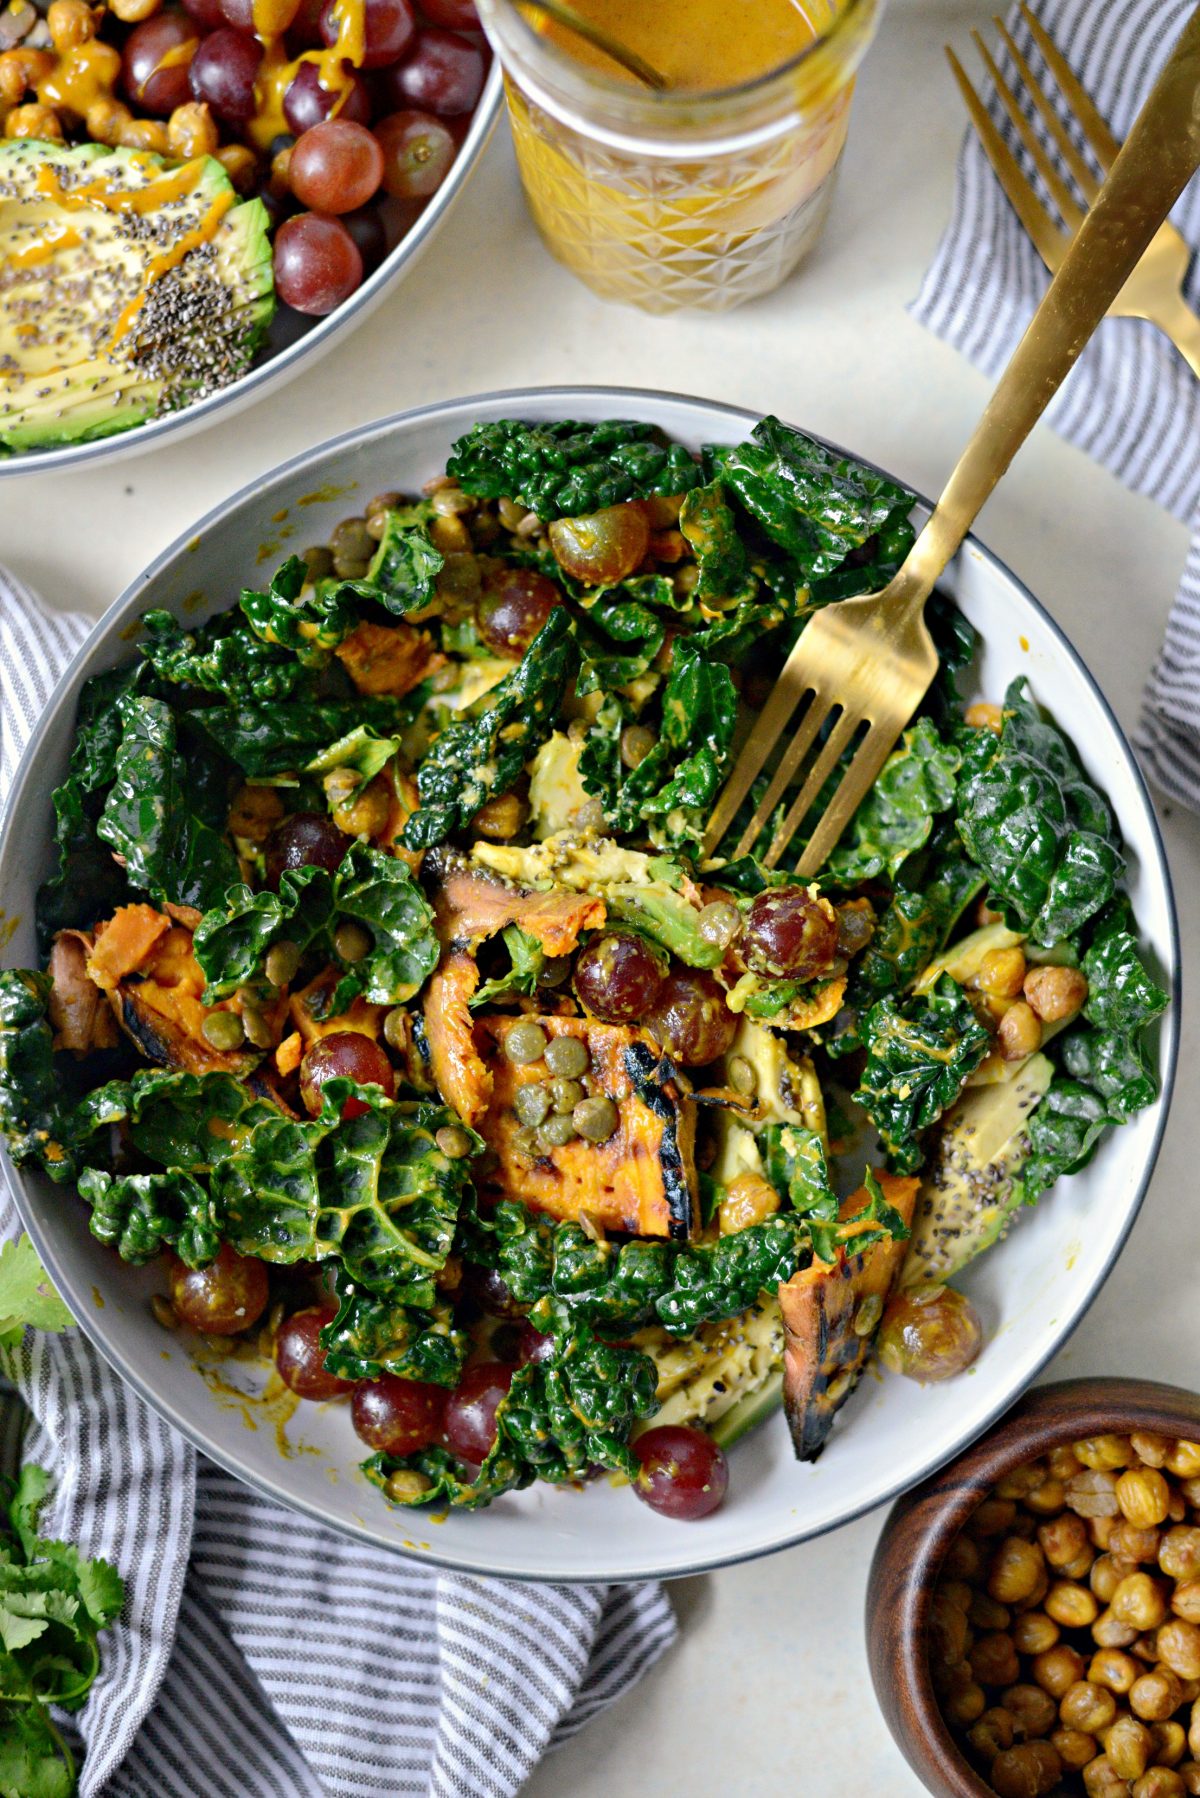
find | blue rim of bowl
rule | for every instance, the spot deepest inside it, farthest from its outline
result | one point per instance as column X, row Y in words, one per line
column 1169, row 1045
column 280, row 367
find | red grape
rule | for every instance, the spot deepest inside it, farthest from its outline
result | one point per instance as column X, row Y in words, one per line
column 515, row 605
column 345, row 1055
column 684, row 1474
column 790, row 934
column 317, row 264
column 388, row 30
column 206, row 13
column 223, row 72
column 228, row 1295
column 366, row 228
column 239, row 14
column 619, row 976
column 335, row 167
column 691, row 1019
column 443, row 74
column 602, row 547
column 305, row 840
column 533, row 1346
column 398, row 1416
column 304, row 33
column 306, row 102
column 471, row 1412
column 418, row 151
column 300, row 1359
column 456, row 15
column 150, row 85
column 490, row 1292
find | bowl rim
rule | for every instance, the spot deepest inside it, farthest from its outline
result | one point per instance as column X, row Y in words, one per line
column 565, row 395
column 261, row 377
column 933, row 1513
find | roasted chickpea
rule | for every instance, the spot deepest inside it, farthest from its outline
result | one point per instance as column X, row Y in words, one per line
column 501, row 818
column 1092, row 1493
column 983, row 714
column 364, row 810
column 34, row 120
column 1100, row 1529
column 1020, row 1032
column 1033, row 1632
column 1139, row 1600
column 1129, row 1745
column 1170, row 1743
column 1113, row 1668
column 1143, row 1496
column 106, row 120
column 1105, row 1576
column 1075, row 1607
column 1034, row 1710
column 240, row 164
column 1074, row 1748
column 1179, row 1552
column 191, row 131
column 963, row 1559
column 1000, row 975
column 1103, row 1451
column 1156, row 1695
column 1101, row 1779
column 1159, row 1782
column 994, row 1517
column 1194, row 1731
column 1152, row 1450
column 145, row 134
column 1022, row 1772
column 948, row 1632
column 1047, row 1499
column 1063, row 1538
column 70, row 23
column 748, row 1200
column 1109, row 1632
column 1179, row 1647
column 1055, row 993
column 993, row 1733
column 1021, row 1480
column 1063, row 1462
column 1058, row 1669
column 132, row 12
column 1015, row 1570
column 994, row 1659
column 1184, row 1460
column 965, row 1705
column 1088, row 1707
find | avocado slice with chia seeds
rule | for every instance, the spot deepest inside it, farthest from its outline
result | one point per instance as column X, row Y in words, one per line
column 971, row 1190
column 129, row 287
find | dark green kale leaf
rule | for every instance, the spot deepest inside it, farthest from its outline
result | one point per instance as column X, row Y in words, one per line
column 220, row 659
column 36, row 1130
column 917, row 924
column 88, row 883
column 819, row 508
column 1034, row 823
column 723, row 567
column 264, row 740
column 620, row 636
column 370, row 887
column 562, row 470
column 434, row 1477
column 917, row 782
column 919, row 1054
column 680, row 778
column 795, row 1164
column 150, row 816
column 140, row 1215
column 1063, row 1133
column 371, row 1336
column 405, row 567
column 473, row 761
column 309, row 622
column 715, row 1280
column 362, row 750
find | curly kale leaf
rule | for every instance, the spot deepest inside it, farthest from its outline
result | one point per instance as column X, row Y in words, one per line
column 620, row 636
column 371, row 888
column 1034, row 823
column 434, row 1477
column 722, row 564
column 308, row 622
column 916, row 925
column 362, row 750
column 526, row 959
column 473, row 761
column 917, row 782
column 139, row 1215
column 150, row 818
column 795, row 1164
column 87, row 884
column 1122, row 996
column 919, row 1054
column 562, row 470
column 404, row 569
column 219, row 659
column 1063, row 1133
column 817, row 507
column 715, row 1280
column 39, row 1126
column 371, row 1336
column 264, row 740
column 680, row 778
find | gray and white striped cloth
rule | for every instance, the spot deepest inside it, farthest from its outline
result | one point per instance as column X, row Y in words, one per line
column 1131, row 401
column 260, row 1656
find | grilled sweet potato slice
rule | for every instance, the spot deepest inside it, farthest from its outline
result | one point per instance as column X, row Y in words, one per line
column 824, row 1353
column 123, row 942
column 471, row 906
column 459, row 1070
column 81, row 1019
column 643, row 1179
column 388, row 658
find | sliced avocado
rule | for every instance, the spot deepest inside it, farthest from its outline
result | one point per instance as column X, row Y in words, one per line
column 786, row 1086
column 963, row 960
column 129, row 286
column 750, row 1410
column 725, row 1365
column 556, row 791
column 970, row 1192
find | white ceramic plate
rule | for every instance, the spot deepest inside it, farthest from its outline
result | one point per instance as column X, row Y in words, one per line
column 1031, row 1291
column 293, row 341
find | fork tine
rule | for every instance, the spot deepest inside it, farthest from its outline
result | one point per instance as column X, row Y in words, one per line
column 785, row 696
column 1088, row 184
column 853, row 788
column 1046, row 235
column 1095, row 128
column 1071, row 211
column 818, row 774
column 790, row 760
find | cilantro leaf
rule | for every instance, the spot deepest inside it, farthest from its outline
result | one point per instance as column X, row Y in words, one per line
column 26, row 1295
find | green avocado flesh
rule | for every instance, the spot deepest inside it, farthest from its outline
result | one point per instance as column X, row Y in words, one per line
column 971, row 1189
column 129, row 287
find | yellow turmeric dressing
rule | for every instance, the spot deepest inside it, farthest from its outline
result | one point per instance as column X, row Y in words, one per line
column 698, row 44
column 44, row 249
column 335, row 66
column 159, row 265
column 81, row 76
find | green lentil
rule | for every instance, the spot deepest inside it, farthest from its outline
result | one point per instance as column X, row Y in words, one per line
column 318, row 562
column 406, row 1484
column 258, row 1031
column 453, row 1141
column 567, row 1055
column 164, row 1312
column 719, row 923
column 742, row 1077
column 222, row 1030
column 636, row 744
column 532, row 1104
column 557, row 1131
column 282, row 961
column 352, row 941
column 525, row 1042
column 565, row 1094
column 595, row 1119
column 526, row 1143
column 554, row 970
column 395, row 1028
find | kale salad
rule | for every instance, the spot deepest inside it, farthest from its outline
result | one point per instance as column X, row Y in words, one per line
column 389, row 1002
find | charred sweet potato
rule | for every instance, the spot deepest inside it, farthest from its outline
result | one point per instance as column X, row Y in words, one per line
column 160, row 1008
column 471, row 906
column 123, row 942
column 643, row 1179
column 821, row 1306
column 306, row 1003
column 81, row 1019
column 388, row 658
column 459, row 1070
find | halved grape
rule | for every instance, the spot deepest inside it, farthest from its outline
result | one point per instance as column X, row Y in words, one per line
column 300, row 1359
column 398, row 1416
column 515, row 605
column 471, row 1411
column 345, row 1055
column 227, row 1296
column 683, row 1475
column 691, row 1019
column 602, row 547
column 619, row 976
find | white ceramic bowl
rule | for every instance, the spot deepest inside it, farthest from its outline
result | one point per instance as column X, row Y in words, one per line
column 294, row 341
column 1031, row 1291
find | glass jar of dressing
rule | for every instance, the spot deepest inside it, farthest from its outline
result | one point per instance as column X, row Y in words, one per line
column 704, row 194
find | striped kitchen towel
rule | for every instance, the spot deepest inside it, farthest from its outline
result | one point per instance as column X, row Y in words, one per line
column 259, row 1655
column 1131, row 401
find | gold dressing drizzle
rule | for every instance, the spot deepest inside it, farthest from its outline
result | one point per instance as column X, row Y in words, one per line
column 43, row 249
column 277, row 71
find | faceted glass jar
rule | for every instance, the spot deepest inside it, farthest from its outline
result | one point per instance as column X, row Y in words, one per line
column 667, row 200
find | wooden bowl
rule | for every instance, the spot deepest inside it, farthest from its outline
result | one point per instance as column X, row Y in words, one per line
column 924, row 1523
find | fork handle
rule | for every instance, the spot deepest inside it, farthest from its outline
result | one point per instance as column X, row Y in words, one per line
column 1176, row 320
column 1159, row 157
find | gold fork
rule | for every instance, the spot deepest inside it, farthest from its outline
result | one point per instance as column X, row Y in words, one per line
column 1154, row 289
column 870, row 660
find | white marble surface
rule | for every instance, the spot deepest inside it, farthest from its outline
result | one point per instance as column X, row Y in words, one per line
column 768, row 1685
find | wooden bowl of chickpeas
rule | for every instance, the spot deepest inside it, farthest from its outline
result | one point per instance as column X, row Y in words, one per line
column 1033, row 1610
